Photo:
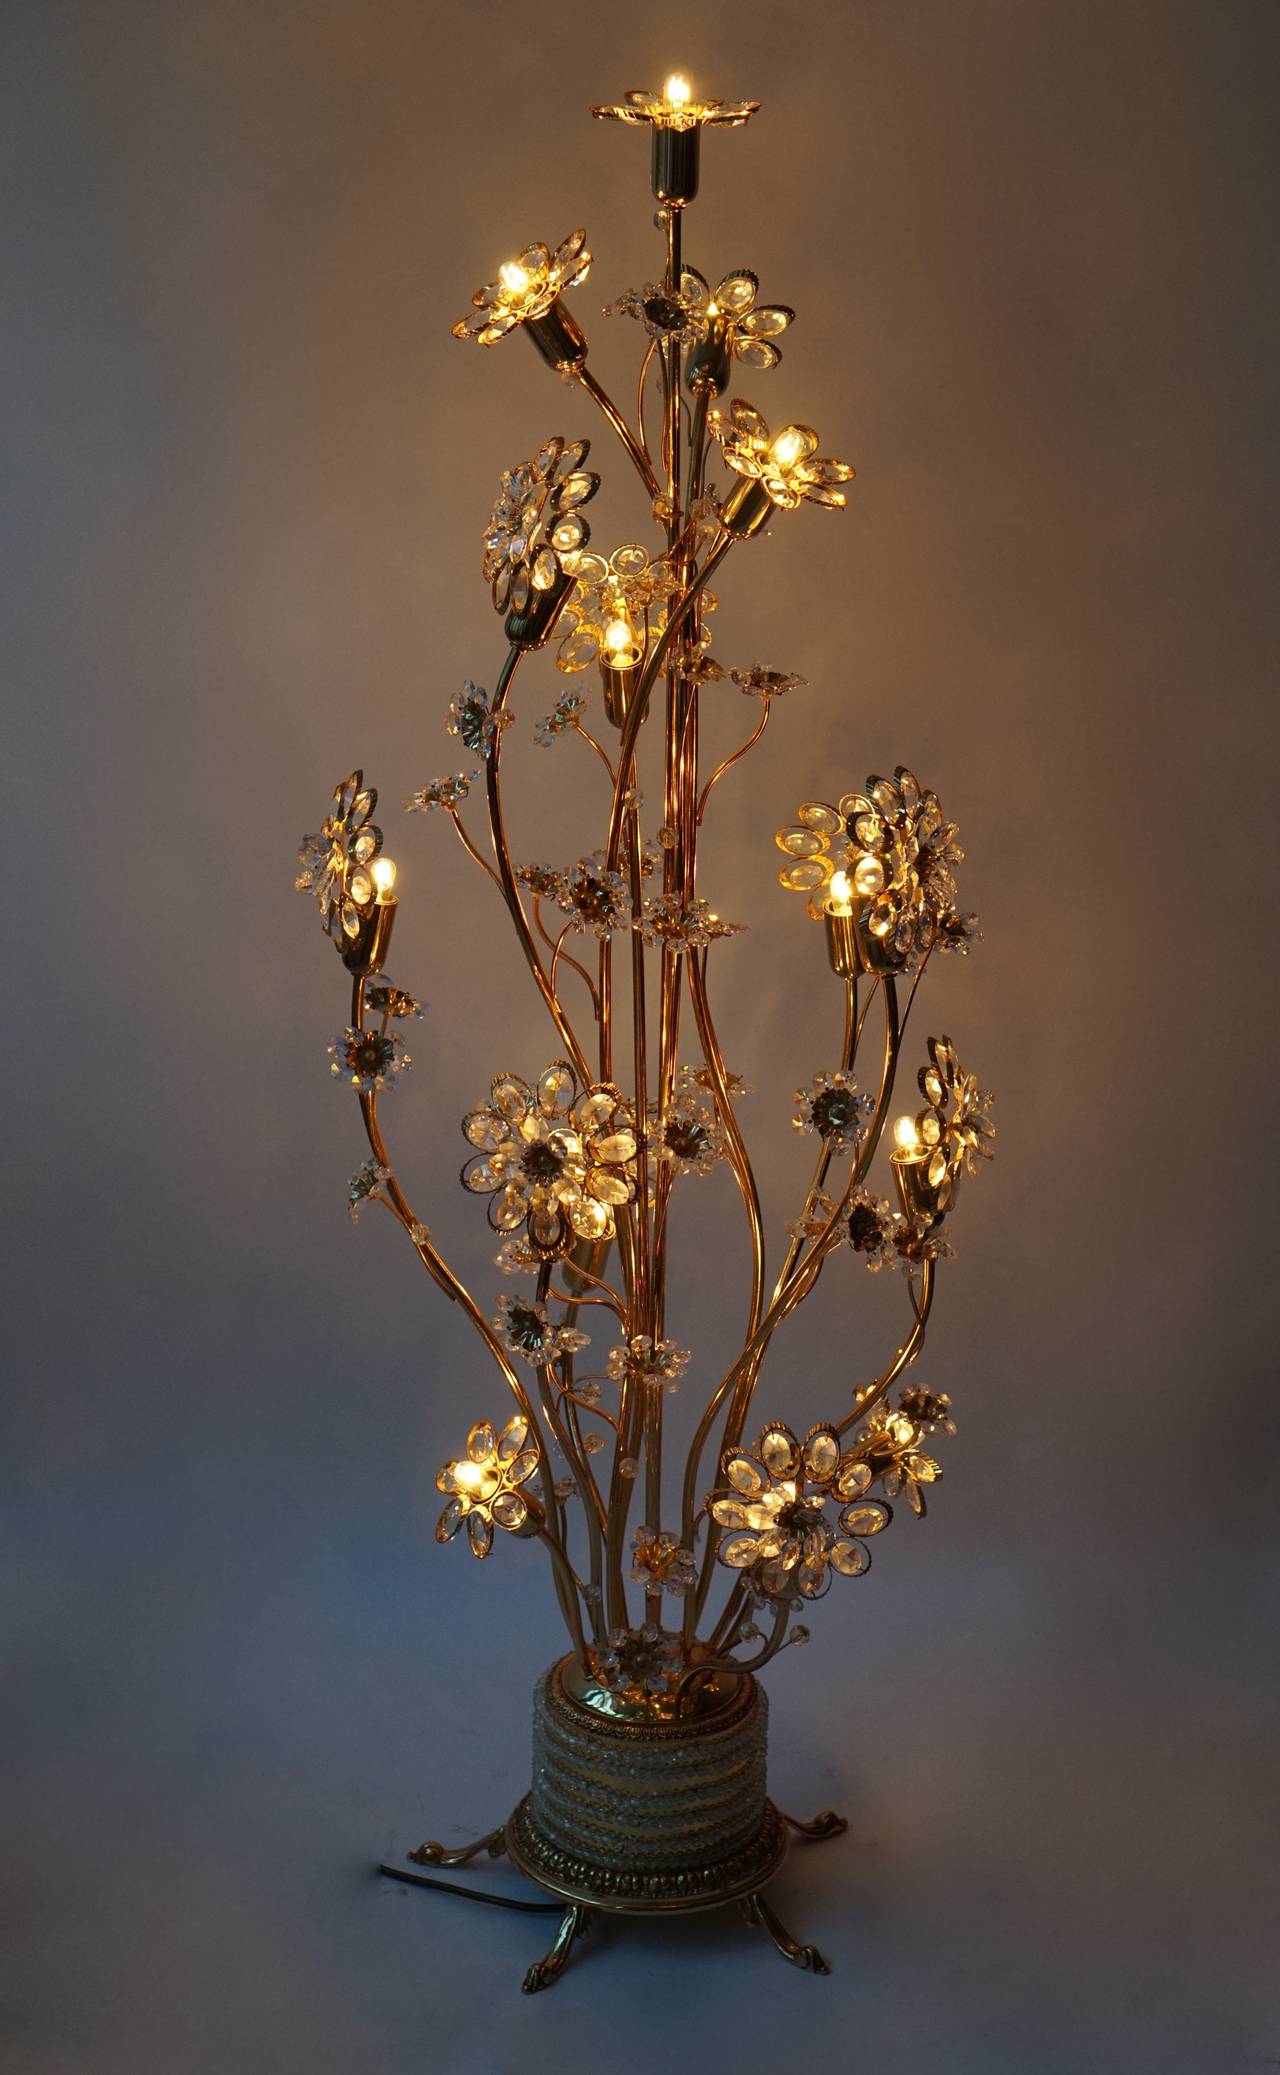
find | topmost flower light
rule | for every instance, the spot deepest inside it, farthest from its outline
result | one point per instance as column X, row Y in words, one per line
column 649, row 1786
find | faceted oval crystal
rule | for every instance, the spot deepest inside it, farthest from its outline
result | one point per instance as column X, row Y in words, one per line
column 745, row 1474
column 850, row 1558
column 805, row 878
column 510, row 1510
column 479, row 1534
column 556, row 1089
column 779, row 1450
column 450, row 1520
column 513, row 1437
column 815, row 814
column 738, row 1551
column 800, row 842
column 865, row 1519
column 482, row 1442
column 852, row 1479
column 821, row 1454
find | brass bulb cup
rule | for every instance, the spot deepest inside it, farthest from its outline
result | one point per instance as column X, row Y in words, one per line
column 842, row 944
column 709, row 361
column 367, row 952
column 747, row 509
column 619, row 690
column 675, row 165
column 558, row 339
column 921, row 1200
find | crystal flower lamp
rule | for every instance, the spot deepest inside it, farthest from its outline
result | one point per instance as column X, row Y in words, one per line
column 677, row 1582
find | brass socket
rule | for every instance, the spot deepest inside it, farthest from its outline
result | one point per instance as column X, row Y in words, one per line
column 709, row 361
column 920, row 1199
column 842, row 945
column 619, row 689
column 366, row 952
column 747, row 509
column 675, row 165
column 558, row 338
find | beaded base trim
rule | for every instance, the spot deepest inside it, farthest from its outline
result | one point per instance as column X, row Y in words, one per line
column 693, row 1887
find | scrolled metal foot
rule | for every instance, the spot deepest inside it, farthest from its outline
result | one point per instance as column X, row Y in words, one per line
column 757, row 1911
column 543, row 1972
column 433, row 1854
column 826, row 1824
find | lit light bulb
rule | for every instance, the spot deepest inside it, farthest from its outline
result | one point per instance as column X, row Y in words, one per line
column 513, row 277
column 787, row 447
column 905, row 1136
column 677, row 90
column 469, row 1475
column 383, row 874
column 840, row 897
column 619, row 642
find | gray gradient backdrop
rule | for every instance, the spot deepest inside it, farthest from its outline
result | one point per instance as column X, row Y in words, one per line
column 246, row 467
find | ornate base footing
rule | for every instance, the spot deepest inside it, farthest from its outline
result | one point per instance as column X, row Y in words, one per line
column 576, row 1916
column 636, row 1814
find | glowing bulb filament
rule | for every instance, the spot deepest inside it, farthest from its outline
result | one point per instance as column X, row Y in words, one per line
column 677, row 90
column 513, row 277
column 840, row 896
column 787, row 447
column 383, row 874
column 905, row 1136
column 619, row 643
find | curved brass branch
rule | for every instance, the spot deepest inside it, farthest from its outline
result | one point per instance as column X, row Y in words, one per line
column 644, row 686
column 639, row 457
column 708, row 1665
column 905, row 1356
column 727, row 764
column 588, row 737
column 470, row 848
column 506, row 876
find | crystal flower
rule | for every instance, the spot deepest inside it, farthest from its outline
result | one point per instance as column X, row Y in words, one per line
column 484, row 1487
column 557, row 1161
column 541, row 880
column 629, row 587
column 702, row 1077
column 517, row 1257
column 682, row 925
column 383, row 998
column 660, row 1564
column 686, row 1134
column 955, row 932
column 526, row 1331
column 888, row 1447
column 659, row 1362
column 675, row 111
column 536, row 528
column 369, row 1059
column 526, row 288
column 593, row 897
column 447, row 792
column 665, row 313
column 955, row 1126
column 835, row 1109
column 775, row 1506
column 561, row 717
column 366, row 1183
column 897, row 853
column 874, row 1229
column 335, row 861
column 789, row 465
column 639, row 1665
column 750, row 326
column 472, row 720
column 762, row 683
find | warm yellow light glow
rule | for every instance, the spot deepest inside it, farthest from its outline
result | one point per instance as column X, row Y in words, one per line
column 383, row 874
column 868, row 874
column 840, row 895
column 905, row 1136
column 470, row 1476
column 513, row 277
column 677, row 90
column 787, row 447
column 618, row 641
